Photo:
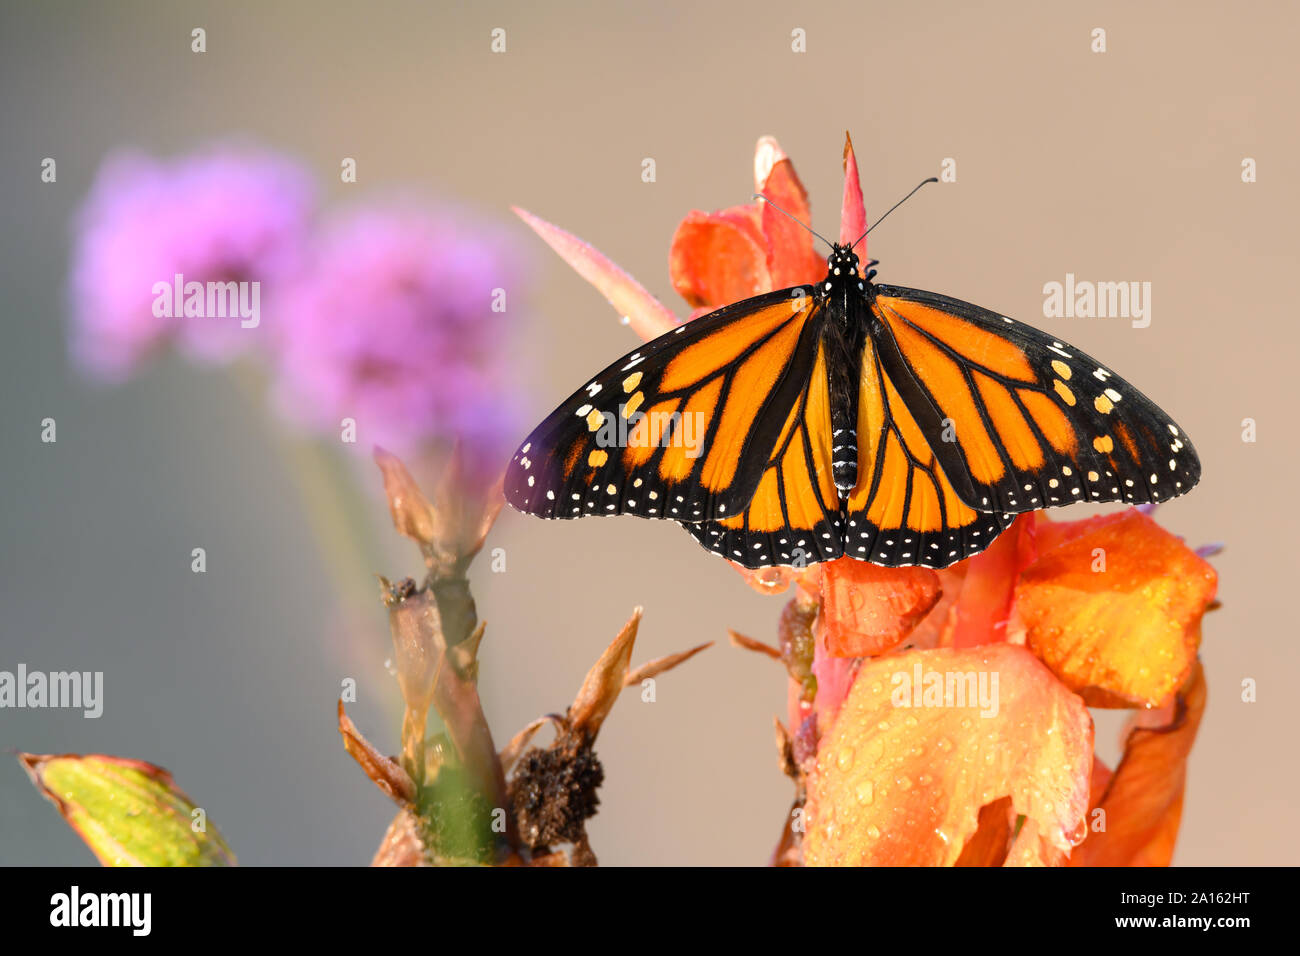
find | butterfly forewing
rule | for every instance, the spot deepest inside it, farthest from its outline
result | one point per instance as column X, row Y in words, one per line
column 682, row 428
column 1020, row 420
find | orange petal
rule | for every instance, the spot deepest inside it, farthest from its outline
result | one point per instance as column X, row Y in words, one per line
column 719, row 258
column 1031, row 848
column 790, row 256
column 1049, row 534
column 853, row 211
column 1114, row 611
column 1101, row 777
column 869, row 609
column 904, row 785
column 648, row 317
column 989, row 845
column 981, row 612
column 1143, row 801
column 936, row 628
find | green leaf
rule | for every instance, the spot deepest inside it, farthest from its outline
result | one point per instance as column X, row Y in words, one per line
column 130, row 813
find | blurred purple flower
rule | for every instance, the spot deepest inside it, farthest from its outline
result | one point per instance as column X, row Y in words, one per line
column 227, row 214
column 400, row 324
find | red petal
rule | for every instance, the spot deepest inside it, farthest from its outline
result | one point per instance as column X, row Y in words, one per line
column 985, row 603
column 1051, row 534
column 853, row 211
column 790, row 256
column 719, row 258
column 868, row 609
column 936, row 629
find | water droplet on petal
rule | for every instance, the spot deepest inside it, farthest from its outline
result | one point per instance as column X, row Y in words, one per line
column 844, row 759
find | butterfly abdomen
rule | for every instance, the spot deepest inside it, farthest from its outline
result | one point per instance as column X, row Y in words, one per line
column 845, row 333
column 844, row 464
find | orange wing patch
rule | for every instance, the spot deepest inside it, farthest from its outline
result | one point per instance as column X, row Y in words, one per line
column 756, row 376
column 1016, row 435
column 980, row 345
column 648, row 433
column 678, row 460
column 719, row 349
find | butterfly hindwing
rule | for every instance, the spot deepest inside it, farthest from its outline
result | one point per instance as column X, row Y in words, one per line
column 793, row 516
column 905, row 509
column 681, row 428
column 1019, row 419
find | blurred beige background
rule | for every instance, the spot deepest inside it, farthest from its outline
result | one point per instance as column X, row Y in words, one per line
column 1117, row 166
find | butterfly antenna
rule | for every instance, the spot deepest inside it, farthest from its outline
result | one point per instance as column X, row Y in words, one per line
column 792, row 218
column 932, row 179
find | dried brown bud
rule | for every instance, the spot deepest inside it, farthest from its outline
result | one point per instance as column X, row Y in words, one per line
column 604, row 682
column 750, row 644
column 660, row 664
column 384, row 771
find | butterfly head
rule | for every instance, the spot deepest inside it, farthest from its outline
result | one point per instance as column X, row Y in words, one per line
column 842, row 267
column 841, row 262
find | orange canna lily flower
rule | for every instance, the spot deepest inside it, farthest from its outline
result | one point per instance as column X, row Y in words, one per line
column 1101, row 612
column 941, row 718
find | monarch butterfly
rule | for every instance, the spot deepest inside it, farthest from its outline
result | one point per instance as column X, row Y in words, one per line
column 895, row 426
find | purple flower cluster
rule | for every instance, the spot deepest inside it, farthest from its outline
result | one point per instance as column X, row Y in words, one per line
column 398, row 326
column 220, row 216
column 391, row 316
